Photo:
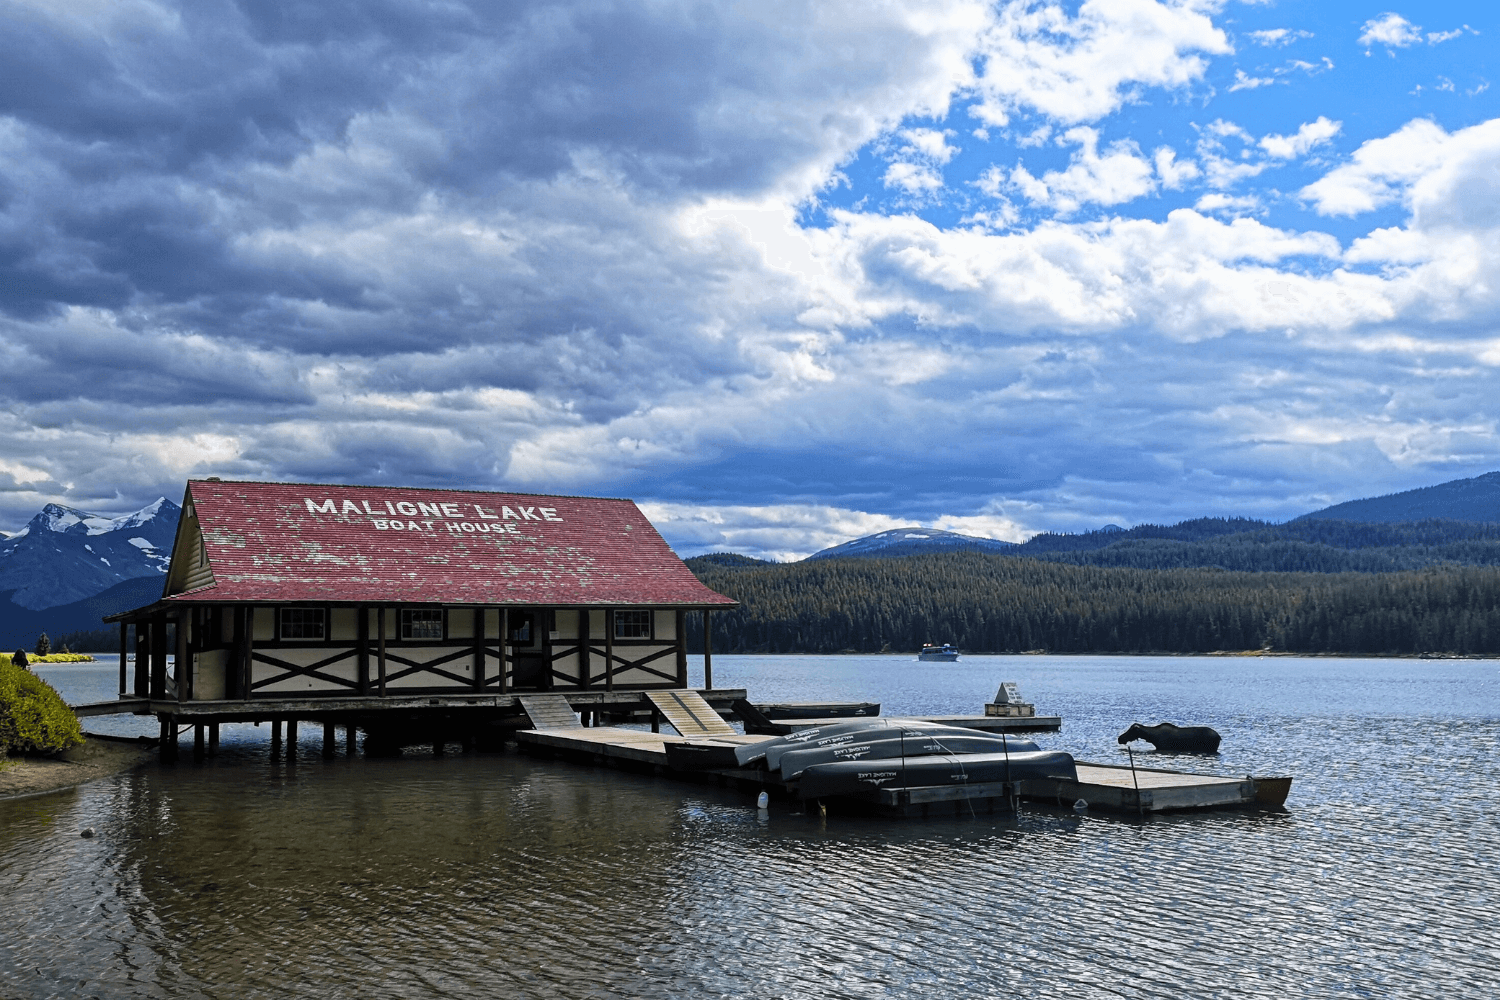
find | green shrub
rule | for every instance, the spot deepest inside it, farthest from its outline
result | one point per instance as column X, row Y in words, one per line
column 33, row 716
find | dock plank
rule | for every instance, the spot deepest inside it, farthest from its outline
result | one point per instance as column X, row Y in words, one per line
column 549, row 711
column 689, row 714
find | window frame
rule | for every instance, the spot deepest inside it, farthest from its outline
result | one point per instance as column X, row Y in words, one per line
column 649, row 624
column 324, row 623
column 404, row 625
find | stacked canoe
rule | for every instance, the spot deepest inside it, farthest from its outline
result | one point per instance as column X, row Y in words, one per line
column 862, row 759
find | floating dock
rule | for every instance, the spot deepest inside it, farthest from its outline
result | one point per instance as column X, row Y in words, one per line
column 985, row 723
column 1102, row 786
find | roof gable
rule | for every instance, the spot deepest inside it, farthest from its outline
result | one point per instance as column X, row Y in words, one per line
column 280, row 542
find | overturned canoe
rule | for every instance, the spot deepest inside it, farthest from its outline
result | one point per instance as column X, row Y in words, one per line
column 708, row 756
column 865, row 779
column 899, row 743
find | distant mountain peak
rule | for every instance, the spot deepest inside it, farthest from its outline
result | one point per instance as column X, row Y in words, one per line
column 914, row 540
column 64, row 554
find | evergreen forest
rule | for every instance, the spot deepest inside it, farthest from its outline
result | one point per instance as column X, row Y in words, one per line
column 1002, row 603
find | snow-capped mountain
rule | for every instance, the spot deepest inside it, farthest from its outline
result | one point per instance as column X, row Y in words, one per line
column 64, row 554
column 912, row 542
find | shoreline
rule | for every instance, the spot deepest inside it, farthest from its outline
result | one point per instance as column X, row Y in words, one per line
column 98, row 757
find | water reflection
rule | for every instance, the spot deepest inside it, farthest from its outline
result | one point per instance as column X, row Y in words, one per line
column 509, row 876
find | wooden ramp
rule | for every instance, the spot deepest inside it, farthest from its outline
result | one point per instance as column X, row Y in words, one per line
column 549, row 711
column 689, row 714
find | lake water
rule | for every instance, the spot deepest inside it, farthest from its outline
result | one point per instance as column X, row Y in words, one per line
column 506, row 876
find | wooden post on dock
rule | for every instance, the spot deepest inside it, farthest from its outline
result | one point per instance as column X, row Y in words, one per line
column 585, row 642
column 609, row 649
column 199, row 750
column 329, row 740
column 505, row 651
column 159, row 659
column 179, row 661
column 275, row 739
column 213, row 739
column 124, row 650
column 682, row 680
column 380, row 625
column 245, row 622
column 142, row 660
column 349, row 740
column 291, row 739
column 479, row 649
column 708, row 651
column 362, row 638
column 168, row 739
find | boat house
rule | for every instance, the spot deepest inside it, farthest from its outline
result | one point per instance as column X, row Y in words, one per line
column 283, row 592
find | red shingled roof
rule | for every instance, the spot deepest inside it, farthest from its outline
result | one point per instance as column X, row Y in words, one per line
column 280, row 542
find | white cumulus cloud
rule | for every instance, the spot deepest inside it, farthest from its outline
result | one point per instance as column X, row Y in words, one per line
column 1117, row 175
column 1079, row 68
column 1310, row 134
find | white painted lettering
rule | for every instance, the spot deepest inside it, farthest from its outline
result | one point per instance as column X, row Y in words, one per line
column 454, row 528
column 511, row 529
column 467, row 526
column 430, row 508
column 413, row 526
column 388, row 508
column 380, row 524
column 326, row 507
column 549, row 513
column 526, row 512
column 398, row 525
column 509, row 514
column 366, row 505
column 429, row 525
column 487, row 515
column 406, row 507
column 349, row 508
column 450, row 510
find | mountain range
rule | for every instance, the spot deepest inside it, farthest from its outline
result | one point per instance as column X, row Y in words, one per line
column 68, row 567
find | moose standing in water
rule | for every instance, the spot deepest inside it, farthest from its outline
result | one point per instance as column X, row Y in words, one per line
column 1169, row 738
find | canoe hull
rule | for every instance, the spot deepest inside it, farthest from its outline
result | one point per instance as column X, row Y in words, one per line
column 881, row 747
column 865, row 780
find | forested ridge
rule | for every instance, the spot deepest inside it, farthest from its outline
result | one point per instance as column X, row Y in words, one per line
column 1001, row 603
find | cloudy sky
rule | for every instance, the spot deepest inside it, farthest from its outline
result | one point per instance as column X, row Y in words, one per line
column 787, row 273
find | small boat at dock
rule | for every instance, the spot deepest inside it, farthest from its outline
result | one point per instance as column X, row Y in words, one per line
column 881, row 747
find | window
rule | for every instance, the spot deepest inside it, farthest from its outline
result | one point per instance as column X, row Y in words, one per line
column 521, row 628
column 421, row 623
column 632, row 624
column 304, row 623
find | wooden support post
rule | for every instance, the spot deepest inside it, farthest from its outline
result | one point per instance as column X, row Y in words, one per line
column 437, row 748
column 349, row 741
column 199, row 750
column 291, row 739
column 247, row 652
column 682, row 680
column 609, row 649
column 380, row 627
column 585, row 646
column 180, row 658
column 164, row 742
column 363, row 634
column 124, row 653
column 479, row 649
column 275, row 739
column 708, row 651
column 159, row 659
column 142, row 661
column 655, row 720
column 505, row 651
column 330, row 741
column 213, row 739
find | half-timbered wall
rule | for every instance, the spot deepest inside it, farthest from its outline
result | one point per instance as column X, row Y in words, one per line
column 546, row 655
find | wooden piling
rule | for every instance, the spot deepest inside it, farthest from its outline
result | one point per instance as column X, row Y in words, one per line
column 329, row 741
column 349, row 739
column 199, row 750
column 291, row 739
column 213, row 739
column 275, row 739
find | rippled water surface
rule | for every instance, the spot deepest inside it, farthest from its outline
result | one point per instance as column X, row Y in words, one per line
column 508, row 876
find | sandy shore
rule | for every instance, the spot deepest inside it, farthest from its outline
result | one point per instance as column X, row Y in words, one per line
column 97, row 758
